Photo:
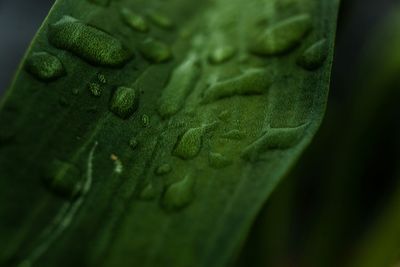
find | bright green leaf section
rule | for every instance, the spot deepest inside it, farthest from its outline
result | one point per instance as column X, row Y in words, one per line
column 154, row 140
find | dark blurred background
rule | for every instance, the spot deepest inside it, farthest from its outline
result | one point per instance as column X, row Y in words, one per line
column 19, row 21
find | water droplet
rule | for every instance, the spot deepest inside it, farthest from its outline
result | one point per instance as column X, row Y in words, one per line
column 218, row 160
column 221, row 54
column 148, row 193
column 179, row 194
column 118, row 167
column 133, row 143
column 101, row 2
column 124, row 102
column 163, row 169
column 75, row 91
column 44, row 66
column 282, row 36
column 145, row 120
column 182, row 81
column 161, row 20
column 274, row 138
column 314, row 56
column 133, row 20
column 102, row 78
column 95, row 89
column 89, row 43
column 155, row 51
column 189, row 144
column 254, row 81
column 234, row 135
column 64, row 179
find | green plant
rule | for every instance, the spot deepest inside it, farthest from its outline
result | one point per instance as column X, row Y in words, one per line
column 152, row 133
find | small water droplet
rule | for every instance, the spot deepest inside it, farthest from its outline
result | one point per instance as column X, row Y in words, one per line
column 314, row 56
column 218, row 160
column 282, row 36
column 234, row 135
column 163, row 169
column 44, row 66
column 75, row 91
column 124, row 102
column 179, row 194
column 252, row 82
column 89, row 43
column 274, row 138
column 148, row 193
column 160, row 20
column 102, row 78
column 118, row 167
column 155, row 51
column 95, row 89
column 221, row 54
column 145, row 120
column 64, row 179
column 180, row 85
column 133, row 143
column 133, row 20
column 189, row 144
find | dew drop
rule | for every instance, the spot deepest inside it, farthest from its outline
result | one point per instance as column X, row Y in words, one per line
column 145, row 120
column 252, row 82
column 148, row 193
column 274, row 138
column 124, row 102
column 163, row 169
column 133, row 143
column 218, row 160
column 182, row 81
column 44, row 66
column 221, row 54
column 155, row 51
column 314, row 56
column 64, row 179
column 282, row 36
column 189, row 144
column 161, row 20
column 179, row 194
column 102, row 78
column 133, row 20
column 233, row 135
column 95, row 89
column 89, row 43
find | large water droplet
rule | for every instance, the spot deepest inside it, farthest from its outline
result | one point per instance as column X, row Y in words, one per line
column 44, row 66
column 133, row 20
column 314, row 56
column 274, row 138
column 189, row 144
column 218, row 160
column 254, row 81
column 282, row 36
column 221, row 54
column 155, row 51
column 145, row 120
column 180, row 85
column 124, row 102
column 89, row 43
column 64, row 179
column 160, row 20
column 179, row 194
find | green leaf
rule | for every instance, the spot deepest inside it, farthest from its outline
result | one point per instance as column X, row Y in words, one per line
column 156, row 139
